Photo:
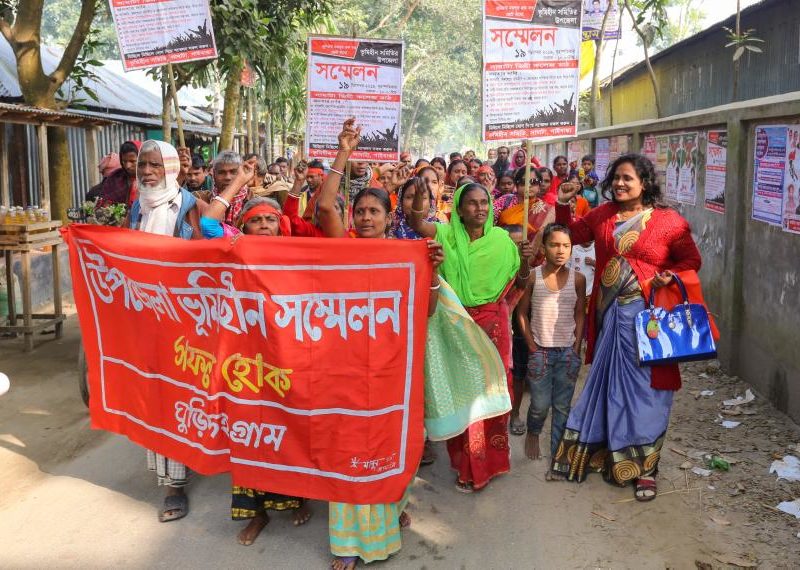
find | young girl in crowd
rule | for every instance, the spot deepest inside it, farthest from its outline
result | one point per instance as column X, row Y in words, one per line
column 551, row 317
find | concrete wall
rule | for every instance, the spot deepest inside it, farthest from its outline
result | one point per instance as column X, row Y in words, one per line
column 751, row 270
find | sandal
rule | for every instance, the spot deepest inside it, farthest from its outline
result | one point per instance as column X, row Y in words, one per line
column 464, row 487
column 175, row 507
column 645, row 489
column 346, row 562
column 404, row 520
column 517, row 427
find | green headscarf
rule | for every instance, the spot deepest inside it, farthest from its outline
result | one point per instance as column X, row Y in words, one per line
column 478, row 271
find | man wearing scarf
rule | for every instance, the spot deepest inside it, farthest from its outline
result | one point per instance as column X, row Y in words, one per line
column 164, row 208
column 314, row 177
column 360, row 178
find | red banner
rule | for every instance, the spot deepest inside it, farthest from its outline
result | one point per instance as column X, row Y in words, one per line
column 296, row 364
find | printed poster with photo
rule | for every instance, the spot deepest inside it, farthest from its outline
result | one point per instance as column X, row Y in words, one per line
column 351, row 77
column 152, row 34
column 662, row 153
column 716, row 166
column 768, row 173
column 602, row 155
column 531, row 72
column 593, row 13
column 791, row 177
column 687, row 171
column 576, row 150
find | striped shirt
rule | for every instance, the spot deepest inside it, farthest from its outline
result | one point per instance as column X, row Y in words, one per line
column 553, row 312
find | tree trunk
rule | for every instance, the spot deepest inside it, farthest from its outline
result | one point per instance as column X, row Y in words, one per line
column 231, row 109
column 594, row 107
column 650, row 71
column 60, row 172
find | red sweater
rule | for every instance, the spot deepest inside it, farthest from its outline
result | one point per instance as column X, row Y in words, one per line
column 665, row 244
column 300, row 227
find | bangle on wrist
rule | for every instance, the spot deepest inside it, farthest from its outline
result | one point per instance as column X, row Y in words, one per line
column 528, row 274
column 222, row 201
column 417, row 211
column 339, row 172
column 437, row 286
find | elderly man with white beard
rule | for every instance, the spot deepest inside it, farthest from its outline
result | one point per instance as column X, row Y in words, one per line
column 164, row 208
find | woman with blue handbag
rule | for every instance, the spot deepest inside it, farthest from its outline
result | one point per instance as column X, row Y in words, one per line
column 620, row 421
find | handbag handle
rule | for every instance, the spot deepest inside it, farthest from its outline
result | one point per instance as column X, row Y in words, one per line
column 681, row 286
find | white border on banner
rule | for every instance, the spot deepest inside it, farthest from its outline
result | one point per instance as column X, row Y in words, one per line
column 402, row 43
column 404, row 407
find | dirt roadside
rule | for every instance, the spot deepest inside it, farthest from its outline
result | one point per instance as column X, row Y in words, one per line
column 73, row 497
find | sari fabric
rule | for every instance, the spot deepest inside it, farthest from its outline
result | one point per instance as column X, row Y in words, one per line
column 511, row 214
column 400, row 228
column 477, row 270
column 465, row 377
column 482, row 451
column 618, row 426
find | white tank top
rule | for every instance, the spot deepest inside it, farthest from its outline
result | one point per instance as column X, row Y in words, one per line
column 553, row 312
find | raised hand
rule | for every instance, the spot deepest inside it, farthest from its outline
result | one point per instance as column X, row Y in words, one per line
column 567, row 191
column 350, row 135
column 300, row 172
column 436, row 253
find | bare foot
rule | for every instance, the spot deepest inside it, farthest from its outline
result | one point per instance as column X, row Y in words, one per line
column 302, row 514
column 404, row 520
column 532, row 446
column 344, row 562
column 248, row 534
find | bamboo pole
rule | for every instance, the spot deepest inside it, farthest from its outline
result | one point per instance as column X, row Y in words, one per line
column 346, row 212
column 528, row 155
column 178, row 118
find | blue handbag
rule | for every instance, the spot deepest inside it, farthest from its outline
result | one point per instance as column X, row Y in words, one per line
column 681, row 334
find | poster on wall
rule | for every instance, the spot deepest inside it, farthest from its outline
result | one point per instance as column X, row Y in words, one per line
column 617, row 146
column 151, row 33
column 687, row 171
column 650, row 147
column 791, row 197
column 769, row 167
column 662, row 153
column 593, row 13
column 576, row 150
column 672, row 168
column 531, row 50
column 716, row 165
column 601, row 157
column 351, row 77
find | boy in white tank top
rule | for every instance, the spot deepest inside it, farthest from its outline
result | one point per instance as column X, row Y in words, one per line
column 551, row 315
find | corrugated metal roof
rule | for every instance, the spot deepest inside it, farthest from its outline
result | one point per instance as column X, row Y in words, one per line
column 153, row 122
column 114, row 91
column 50, row 115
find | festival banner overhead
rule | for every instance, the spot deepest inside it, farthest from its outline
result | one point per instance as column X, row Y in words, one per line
column 716, row 167
column 280, row 360
column 152, row 34
column 531, row 50
column 349, row 77
column 593, row 13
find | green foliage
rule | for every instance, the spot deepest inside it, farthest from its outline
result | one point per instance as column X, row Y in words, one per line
column 741, row 42
column 684, row 20
column 60, row 18
column 82, row 72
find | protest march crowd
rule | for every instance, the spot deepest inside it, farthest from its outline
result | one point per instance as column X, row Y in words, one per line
column 577, row 266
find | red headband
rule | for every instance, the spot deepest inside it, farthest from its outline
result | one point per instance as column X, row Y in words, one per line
column 317, row 171
column 265, row 209
column 485, row 168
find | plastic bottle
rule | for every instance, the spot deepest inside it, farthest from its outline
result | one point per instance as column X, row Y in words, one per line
column 716, row 462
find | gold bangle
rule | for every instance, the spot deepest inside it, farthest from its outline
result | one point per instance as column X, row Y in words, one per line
column 339, row 172
column 417, row 211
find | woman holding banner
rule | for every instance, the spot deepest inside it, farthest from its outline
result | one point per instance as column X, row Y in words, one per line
column 366, row 532
column 483, row 265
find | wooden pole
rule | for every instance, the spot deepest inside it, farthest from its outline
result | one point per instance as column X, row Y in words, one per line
column 5, row 193
column 346, row 212
column 92, row 158
column 44, row 179
column 528, row 155
column 178, row 118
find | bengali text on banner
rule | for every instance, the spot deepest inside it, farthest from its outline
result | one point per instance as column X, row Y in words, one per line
column 281, row 361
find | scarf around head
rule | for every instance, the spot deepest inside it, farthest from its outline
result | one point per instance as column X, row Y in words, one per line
column 400, row 228
column 155, row 203
column 357, row 184
column 478, row 271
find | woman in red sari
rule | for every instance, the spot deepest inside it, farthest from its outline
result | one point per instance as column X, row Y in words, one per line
column 483, row 265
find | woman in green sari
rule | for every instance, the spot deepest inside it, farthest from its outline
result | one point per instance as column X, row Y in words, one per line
column 482, row 264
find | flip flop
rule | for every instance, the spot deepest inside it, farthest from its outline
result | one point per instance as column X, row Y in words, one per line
column 347, row 561
column 428, row 454
column 643, row 486
column 175, row 507
column 518, row 427
column 464, row 487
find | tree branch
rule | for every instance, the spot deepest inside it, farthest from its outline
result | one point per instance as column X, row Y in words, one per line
column 75, row 44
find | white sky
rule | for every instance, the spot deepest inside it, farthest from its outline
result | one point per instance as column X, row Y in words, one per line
column 629, row 52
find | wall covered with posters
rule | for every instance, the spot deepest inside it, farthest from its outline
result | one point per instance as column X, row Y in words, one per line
column 734, row 174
